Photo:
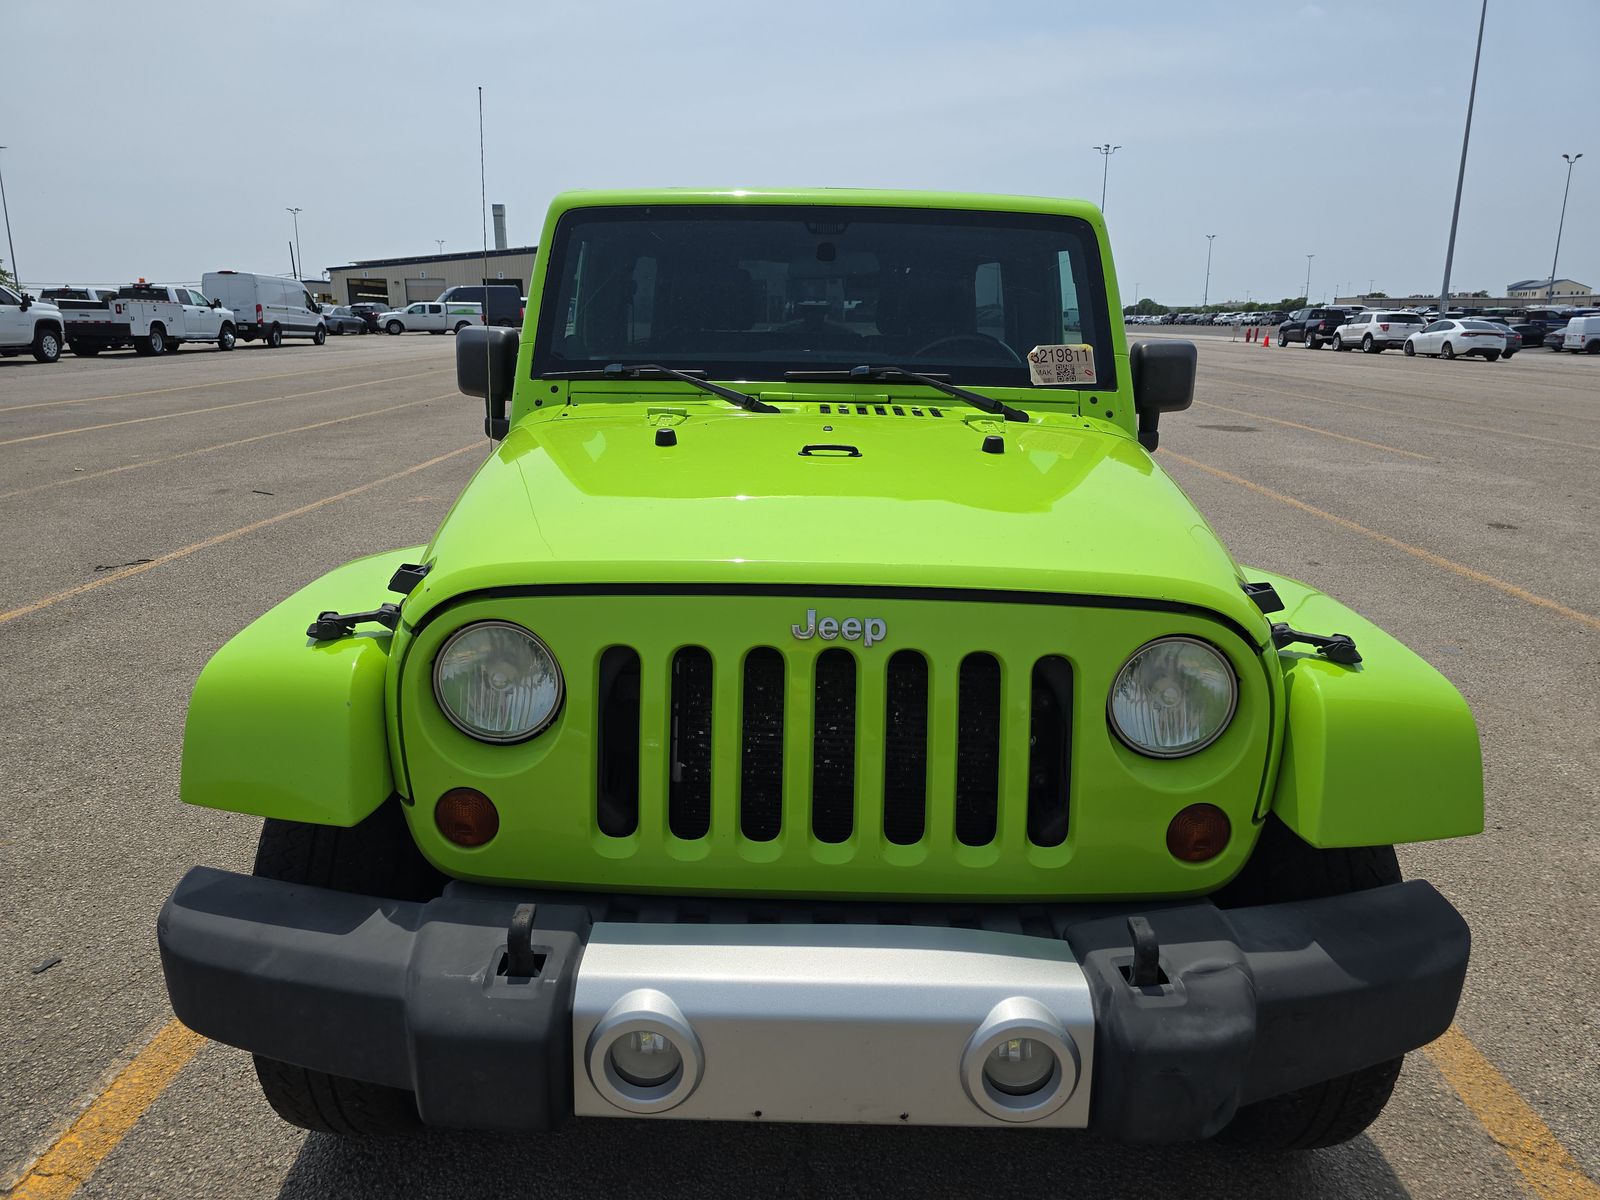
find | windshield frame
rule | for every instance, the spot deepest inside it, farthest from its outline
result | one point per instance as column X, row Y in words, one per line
column 1087, row 260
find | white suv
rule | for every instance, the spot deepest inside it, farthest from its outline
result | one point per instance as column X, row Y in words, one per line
column 1377, row 330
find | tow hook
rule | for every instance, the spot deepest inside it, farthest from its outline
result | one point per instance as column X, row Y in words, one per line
column 1335, row 647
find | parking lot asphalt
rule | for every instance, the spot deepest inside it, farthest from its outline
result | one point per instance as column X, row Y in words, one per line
column 151, row 508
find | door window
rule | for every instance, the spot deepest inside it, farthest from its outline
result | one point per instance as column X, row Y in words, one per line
column 434, row 308
column 7, row 296
column 417, row 308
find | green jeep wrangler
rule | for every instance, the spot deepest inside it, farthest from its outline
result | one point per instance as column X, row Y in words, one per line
column 820, row 706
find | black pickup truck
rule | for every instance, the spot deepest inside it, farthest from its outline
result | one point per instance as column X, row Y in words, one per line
column 1313, row 326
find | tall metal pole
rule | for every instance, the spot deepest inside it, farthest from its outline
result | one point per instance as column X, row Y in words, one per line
column 9, row 244
column 440, row 243
column 1550, row 292
column 1206, row 299
column 1309, row 257
column 1106, row 152
column 301, row 269
column 1461, row 175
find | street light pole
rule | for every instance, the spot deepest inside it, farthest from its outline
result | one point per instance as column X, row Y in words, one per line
column 1309, row 257
column 295, row 212
column 1550, row 292
column 1106, row 152
column 9, row 244
column 1461, row 174
column 440, row 243
column 1206, row 299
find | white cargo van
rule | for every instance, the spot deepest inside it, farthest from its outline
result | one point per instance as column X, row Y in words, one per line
column 1582, row 335
column 268, row 307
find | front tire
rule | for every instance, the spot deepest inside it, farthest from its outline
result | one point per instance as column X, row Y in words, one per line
column 47, row 346
column 320, row 336
column 1338, row 343
column 376, row 857
column 1283, row 341
column 395, row 328
column 226, row 339
column 1411, row 351
column 1284, row 869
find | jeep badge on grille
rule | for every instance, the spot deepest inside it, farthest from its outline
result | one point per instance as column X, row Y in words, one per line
column 866, row 630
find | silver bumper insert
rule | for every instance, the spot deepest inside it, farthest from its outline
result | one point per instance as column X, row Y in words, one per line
column 839, row 1023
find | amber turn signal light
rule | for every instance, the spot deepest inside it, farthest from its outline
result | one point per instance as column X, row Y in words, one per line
column 1198, row 833
column 466, row 817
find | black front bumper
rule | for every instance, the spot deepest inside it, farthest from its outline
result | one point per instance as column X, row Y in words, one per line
column 1251, row 1002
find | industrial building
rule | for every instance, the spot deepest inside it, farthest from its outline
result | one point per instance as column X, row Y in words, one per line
column 405, row 280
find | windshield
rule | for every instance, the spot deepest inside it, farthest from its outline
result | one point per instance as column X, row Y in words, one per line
column 747, row 292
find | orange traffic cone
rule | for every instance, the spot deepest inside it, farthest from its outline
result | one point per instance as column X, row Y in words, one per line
column 1266, row 339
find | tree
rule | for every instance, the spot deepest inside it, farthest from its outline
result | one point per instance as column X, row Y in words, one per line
column 7, row 279
column 1145, row 308
column 1377, row 295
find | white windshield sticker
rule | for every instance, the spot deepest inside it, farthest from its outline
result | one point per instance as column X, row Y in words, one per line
column 1048, row 365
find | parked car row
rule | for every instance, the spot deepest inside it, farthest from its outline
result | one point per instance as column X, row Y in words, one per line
column 159, row 318
column 1271, row 317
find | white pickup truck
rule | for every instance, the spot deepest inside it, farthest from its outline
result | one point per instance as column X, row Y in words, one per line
column 153, row 318
column 450, row 316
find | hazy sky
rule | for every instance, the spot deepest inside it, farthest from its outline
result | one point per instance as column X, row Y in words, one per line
column 166, row 148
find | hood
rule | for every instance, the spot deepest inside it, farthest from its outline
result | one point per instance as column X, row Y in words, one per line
column 588, row 495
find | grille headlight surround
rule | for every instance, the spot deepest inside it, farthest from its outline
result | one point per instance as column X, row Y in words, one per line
column 1173, row 697
column 497, row 682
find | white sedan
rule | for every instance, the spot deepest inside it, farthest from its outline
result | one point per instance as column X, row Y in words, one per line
column 1458, row 339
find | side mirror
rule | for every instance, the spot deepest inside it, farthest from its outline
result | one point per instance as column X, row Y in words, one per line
column 1163, row 381
column 486, row 367
column 27, row 302
column 215, row 303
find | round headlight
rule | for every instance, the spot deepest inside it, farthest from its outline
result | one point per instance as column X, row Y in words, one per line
column 497, row 682
column 1175, row 696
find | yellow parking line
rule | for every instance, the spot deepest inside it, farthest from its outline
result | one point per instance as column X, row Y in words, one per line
column 1550, row 1170
column 1411, row 416
column 185, row 551
column 152, row 462
column 1428, row 556
column 189, row 412
column 72, row 1158
column 1343, row 437
column 187, row 387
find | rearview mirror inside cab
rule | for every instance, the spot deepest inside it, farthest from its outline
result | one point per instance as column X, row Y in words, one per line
column 1163, row 381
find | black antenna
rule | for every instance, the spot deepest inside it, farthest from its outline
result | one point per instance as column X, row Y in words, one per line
column 483, row 215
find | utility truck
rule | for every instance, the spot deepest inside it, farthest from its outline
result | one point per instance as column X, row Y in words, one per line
column 153, row 318
column 822, row 706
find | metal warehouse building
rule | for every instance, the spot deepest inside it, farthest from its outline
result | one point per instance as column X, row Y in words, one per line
column 424, row 276
column 407, row 280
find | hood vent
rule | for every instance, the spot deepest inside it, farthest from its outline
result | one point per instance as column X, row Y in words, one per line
column 879, row 410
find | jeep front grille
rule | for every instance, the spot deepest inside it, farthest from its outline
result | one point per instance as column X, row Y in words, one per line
column 828, row 724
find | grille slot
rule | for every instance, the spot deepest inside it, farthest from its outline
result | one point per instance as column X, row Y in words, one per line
column 689, row 790
column 761, row 756
column 616, row 743
column 1050, row 752
column 905, row 748
column 978, row 750
column 833, row 747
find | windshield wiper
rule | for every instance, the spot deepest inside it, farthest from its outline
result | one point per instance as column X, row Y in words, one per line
column 977, row 399
column 696, row 378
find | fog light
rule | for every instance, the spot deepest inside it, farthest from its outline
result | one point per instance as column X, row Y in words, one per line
column 466, row 817
column 1198, row 833
column 643, row 1056
column 645, row 1059
column 1020, row 1066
